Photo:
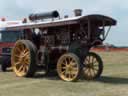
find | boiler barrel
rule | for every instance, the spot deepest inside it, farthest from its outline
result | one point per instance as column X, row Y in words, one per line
column 38, row 16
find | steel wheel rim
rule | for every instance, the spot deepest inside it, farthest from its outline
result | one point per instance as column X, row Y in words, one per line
column 91, row 67
column 68, row 68
column 20, row 59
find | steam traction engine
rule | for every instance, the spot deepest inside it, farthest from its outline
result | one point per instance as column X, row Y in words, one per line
column 61, row 44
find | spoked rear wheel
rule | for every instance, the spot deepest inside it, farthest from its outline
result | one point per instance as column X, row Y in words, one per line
column 23, row 58
column 93, row 66
column 68, row 67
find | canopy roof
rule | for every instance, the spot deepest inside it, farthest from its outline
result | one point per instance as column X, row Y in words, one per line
column 98, row 19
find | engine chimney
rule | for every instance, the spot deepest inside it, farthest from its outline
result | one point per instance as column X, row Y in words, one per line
column 39, row 16
column 78, row 12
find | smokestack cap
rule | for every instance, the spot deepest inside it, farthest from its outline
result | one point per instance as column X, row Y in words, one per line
column 78, row 12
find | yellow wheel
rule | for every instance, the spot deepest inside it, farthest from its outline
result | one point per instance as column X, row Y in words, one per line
column 23, row 58
column 68, row 67
column 93, row 66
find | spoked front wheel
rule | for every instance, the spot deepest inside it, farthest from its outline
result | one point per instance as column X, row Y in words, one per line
column 92, row 66
column 68, row 67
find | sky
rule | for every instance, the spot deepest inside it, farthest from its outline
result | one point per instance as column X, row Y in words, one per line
column 117, row 9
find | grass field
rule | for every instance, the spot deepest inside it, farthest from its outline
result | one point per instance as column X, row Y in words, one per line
column 113, row 82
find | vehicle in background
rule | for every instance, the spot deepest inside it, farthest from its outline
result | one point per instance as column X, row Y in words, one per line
column 7, row 41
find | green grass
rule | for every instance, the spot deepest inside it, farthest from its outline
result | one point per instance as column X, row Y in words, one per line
column 113, row 82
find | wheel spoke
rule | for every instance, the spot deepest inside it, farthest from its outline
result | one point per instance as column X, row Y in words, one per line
column 75, row 69
column 64, row 67
column 72, row 61
column 21, row 68
column 65, row 62
column 70, row 75
column 17, row 63
column 26, row 61
column 26, row 54
column 26, row 50
column 87, row 59
column 95, row 65
column 63, row 72
column 90, row 59
column 69, row 59
column 27, row 57
column 66, row 74
column 25, row 68
column 89, row 72
column 73, row 65
column 95, row 69
column 85, row 70
column 74, row 72
column 22, row 47
column 94, row 60
column 17, row 56
column 93, row 73
column 17, row 50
